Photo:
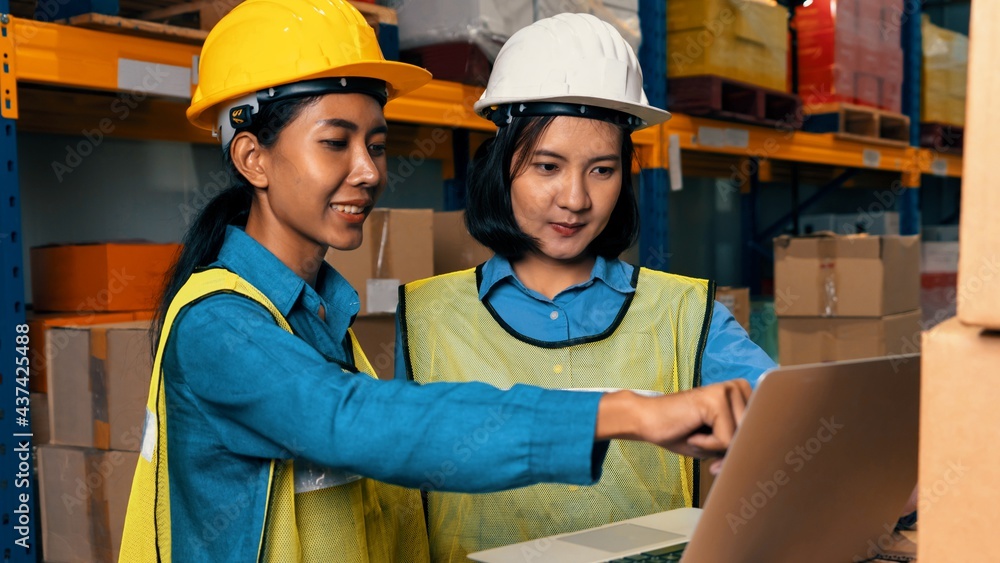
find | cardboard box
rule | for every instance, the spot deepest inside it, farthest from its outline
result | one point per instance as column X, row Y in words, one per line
column 979, row 264
column 377, row 336
column 454, row 247
column 100, row 277
column 814, row 340
column 847, row 276
column 42, row 350
column 737, row 300
column 98, row 385
column 398, row 248
column 83, row 495
column 959, row 501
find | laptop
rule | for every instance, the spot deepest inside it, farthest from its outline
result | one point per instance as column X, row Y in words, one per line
column 819, row 470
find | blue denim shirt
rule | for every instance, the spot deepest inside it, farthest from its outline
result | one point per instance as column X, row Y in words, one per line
column 241, row 391
column 589, row 308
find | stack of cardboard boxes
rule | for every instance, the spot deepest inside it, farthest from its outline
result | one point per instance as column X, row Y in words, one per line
column 846, row 297
column 945, row 74
column 400, row 246
column 745, row 40
column 91, row 367
column 850, row 51
column 959, row 502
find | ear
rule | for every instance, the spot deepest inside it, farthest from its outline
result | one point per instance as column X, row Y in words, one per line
column 249, row 159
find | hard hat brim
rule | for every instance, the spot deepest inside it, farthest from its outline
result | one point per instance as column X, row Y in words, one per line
column 400, row 79
column 649, row 114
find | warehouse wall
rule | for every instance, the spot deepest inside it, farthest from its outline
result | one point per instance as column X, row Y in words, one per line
column 125, row 189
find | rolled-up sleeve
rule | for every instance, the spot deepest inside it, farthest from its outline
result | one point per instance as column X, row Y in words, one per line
column 267, row 393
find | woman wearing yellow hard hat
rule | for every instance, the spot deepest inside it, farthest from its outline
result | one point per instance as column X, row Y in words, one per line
column 281, row 444
column 552, row 196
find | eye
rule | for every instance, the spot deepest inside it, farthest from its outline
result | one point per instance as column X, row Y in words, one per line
column 546, row 167
column 377, row 149
column 604, row 170
column 335, row 143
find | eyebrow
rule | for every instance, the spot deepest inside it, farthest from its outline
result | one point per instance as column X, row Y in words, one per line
column 601, row 158
column 350, row 125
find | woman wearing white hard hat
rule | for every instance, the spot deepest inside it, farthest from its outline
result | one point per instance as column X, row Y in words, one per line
column 281, row 443
column 552, row 196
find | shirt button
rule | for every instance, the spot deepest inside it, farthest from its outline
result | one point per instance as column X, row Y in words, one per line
column 557, row 368
column 554, row 315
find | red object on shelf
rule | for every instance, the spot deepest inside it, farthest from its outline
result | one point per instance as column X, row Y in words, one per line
column 826, row 85
column 456, row 62
column 849, row 52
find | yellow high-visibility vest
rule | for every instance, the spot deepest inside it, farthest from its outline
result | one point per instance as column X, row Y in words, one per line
column 360, row 520
column 655, row 344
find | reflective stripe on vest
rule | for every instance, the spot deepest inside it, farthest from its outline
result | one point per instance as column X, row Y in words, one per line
column 654, row 344
column 338, row 518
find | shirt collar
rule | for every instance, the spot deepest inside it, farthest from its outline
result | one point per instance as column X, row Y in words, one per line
column 614, row 273
column 248, row 259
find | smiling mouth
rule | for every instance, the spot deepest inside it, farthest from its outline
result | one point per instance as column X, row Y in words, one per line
column 355, row 209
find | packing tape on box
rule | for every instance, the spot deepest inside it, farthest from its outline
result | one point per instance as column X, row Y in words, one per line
column 828, row 275
column 96, row 473
column 381, row 246
column 99, row 389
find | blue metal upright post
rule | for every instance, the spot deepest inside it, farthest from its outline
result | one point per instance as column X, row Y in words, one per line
column 908, row 203
column 19, row 515
column 654, row 219
column 654, row 183
column 748, row 223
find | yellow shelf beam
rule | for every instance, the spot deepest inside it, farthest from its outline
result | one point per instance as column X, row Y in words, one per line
column 70, row 57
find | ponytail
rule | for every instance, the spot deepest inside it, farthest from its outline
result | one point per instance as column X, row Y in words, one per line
column 204, row 238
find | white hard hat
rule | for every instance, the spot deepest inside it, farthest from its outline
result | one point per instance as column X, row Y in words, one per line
column 564, row 61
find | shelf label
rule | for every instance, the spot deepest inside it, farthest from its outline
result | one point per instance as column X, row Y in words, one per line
column 712, row 137
column 939, row 167
column 715, row 137
column 739, row 138
column 871, row 158
column 154, row 78
column 674, row 163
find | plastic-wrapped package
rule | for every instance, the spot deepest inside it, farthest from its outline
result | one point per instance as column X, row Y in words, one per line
column 946, row 63
column 484, row 23
column 744, row 40
column 488, row 23
column 623, row 14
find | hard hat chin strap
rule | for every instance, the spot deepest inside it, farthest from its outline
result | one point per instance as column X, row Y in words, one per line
column 503, row 115
column 242, row 111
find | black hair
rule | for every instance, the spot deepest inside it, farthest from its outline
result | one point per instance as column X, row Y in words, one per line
column 206, row 234
column 489, row 214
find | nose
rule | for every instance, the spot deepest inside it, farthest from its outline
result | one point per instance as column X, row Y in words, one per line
column 573, row 193
column 365, row 173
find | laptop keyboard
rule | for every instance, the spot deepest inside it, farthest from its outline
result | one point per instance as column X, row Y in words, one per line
column 658, row 556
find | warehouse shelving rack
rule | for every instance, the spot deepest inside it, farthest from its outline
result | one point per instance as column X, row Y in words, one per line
column 758, row 154
column 60, row 79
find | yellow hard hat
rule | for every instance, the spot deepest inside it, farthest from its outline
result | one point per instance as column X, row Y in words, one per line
column 262, row 45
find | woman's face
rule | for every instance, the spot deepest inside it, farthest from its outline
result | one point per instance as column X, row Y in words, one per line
column 327, row 169
column 568, row 186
